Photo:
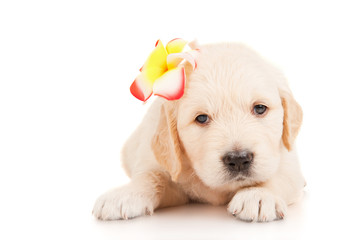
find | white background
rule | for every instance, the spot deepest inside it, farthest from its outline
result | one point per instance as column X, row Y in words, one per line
column 66, row 110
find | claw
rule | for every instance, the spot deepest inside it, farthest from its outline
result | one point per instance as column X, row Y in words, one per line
column 234, row 213
column 148, row 212
column 280, row 215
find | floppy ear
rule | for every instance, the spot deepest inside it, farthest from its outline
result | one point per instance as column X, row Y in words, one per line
column 293, row 116
column 165, row 143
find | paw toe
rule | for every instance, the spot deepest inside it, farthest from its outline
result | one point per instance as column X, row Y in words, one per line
column 257, row 205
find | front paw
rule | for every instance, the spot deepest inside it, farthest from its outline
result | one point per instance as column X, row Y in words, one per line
column 124, row 203
column 257, row 204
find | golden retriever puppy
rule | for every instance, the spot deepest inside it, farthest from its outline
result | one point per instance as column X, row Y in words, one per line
column 228, row 140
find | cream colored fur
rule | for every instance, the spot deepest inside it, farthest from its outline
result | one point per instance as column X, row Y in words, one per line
column 173, row 160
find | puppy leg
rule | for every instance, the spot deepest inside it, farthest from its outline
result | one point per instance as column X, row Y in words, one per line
column 145, row 193
column 257, row 204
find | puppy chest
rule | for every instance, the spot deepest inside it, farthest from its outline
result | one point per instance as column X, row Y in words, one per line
column 198, row 192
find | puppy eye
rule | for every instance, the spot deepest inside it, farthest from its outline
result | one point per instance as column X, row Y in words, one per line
column 202, row 119
column 259, row 109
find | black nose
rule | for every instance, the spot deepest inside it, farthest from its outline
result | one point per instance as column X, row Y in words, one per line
column 238, row 161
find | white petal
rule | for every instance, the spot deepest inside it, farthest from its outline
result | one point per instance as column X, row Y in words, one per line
column 171, row 84
column 174, row 59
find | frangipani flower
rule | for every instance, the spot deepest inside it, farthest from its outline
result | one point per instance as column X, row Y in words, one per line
column 161, row 74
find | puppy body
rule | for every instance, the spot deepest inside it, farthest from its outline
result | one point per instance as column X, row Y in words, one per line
column 173, row 160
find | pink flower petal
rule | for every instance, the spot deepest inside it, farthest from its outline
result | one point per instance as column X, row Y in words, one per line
column 174, row 59
column 194, row 44
column 141, row 88
column 171, row 85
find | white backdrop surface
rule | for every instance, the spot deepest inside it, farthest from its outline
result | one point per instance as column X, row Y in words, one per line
column 66, row 110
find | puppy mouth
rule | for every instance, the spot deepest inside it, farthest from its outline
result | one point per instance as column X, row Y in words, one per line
column 238, row 177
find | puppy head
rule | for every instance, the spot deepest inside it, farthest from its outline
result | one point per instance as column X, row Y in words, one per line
column 235, row 118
